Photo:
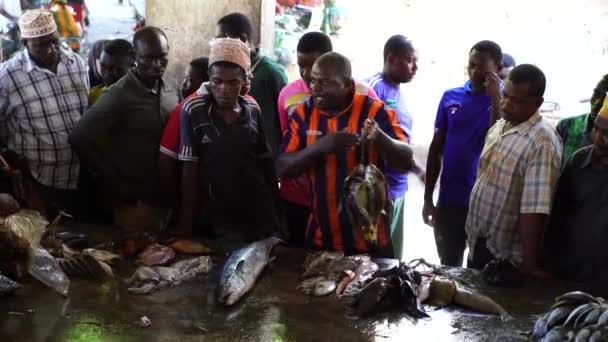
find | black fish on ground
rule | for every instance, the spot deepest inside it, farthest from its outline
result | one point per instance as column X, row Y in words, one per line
column 7, row 286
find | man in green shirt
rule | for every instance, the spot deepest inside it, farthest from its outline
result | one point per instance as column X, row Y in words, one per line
column 115, row 60
column 130, row 116
column 575, row 131
column 268, row 76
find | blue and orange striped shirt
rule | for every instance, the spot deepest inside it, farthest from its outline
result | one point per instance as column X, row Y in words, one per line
column 327, row 227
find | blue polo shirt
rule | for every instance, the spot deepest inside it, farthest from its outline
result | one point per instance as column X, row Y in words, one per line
column 394, row 98
column 465, row 116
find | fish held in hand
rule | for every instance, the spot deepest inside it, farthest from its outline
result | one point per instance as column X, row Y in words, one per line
column 364, row 200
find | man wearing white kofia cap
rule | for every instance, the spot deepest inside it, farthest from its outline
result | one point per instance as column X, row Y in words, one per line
column 224, row 149
column 43, row 93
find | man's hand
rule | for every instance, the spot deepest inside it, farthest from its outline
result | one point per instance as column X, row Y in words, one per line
column 492, row 84
column 337, row 142
column 370, row 130
column 429, row 213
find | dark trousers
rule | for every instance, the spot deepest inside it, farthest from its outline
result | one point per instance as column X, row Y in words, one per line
column 481, row 256
column 450, row 236
column 56, row 200
column 297, row 219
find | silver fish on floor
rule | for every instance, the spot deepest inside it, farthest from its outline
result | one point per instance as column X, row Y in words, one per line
column 148, row 279
column 7, row 286
column 242, row 269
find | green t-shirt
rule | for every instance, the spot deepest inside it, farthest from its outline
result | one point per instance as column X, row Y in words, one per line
column 269, row 78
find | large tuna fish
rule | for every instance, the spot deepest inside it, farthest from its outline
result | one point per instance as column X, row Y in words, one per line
column 364, row 199
column 243, row 268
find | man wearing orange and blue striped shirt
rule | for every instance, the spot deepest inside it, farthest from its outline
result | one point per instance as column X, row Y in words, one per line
column 322, row 141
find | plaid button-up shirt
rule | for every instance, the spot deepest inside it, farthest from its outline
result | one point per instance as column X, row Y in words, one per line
column 37, row 111
column 518, row 172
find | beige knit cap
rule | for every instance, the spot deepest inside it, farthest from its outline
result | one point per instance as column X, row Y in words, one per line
column 230, row 50
column 37, row 23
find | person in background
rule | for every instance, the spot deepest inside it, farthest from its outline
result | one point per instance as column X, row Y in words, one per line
column 131, row 115
column 224, row 151
column 169, row 167
column 37, row 126
column 93, row 62
column 195, row 76
column 10, row 11
column 577, row 232
column 508, row 63
column 463, row 118
column 400, row 58
column 321, row 141
column 295, row 193
column 116, row 59
column 576, row 131
column 268, row 76
column 518, row 172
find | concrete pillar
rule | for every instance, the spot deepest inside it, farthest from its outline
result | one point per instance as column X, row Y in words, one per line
column 190, row 24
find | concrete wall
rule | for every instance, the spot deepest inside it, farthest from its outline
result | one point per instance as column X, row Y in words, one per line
column 190, row 24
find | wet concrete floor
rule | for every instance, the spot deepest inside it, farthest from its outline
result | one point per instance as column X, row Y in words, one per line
column 273, row 311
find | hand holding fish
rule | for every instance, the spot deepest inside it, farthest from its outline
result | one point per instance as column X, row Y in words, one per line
column 370, row 131
column 337, row 142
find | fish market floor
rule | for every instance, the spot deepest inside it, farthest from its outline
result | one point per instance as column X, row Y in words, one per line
column 273, row 311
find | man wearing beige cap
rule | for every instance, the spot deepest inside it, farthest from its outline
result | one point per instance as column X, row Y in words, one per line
column 224, row 149
column 130, row 116
column 577, row 233
column 43, row 93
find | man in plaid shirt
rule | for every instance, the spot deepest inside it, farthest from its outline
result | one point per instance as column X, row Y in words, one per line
column 517, row 176
column 43, row 93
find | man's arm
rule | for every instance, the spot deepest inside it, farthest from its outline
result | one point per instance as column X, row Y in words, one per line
column 531, row 229
column 189, row 198
column 433, row 169
column 398, row 154
column 540, row 179
column 493, row 85
column 190, row 176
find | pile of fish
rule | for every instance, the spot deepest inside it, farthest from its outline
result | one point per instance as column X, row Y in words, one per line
column 243, row 268
column 366, row 285
column 148, row 279
column 575, row 316
column 364, row 200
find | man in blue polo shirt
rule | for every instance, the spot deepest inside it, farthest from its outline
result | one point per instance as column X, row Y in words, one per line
column 400, row 66
column 463, row 118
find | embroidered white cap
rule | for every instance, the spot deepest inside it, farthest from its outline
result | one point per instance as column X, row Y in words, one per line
column 37, row 23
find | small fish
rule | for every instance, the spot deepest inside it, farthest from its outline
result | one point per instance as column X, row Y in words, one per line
column 540, row 329
column 478, row 302
column 104, row 256
column 147, row 279
column 555, row 335
column 347, row 277
column 242, row 269
column 7, row 286
column 603, row 319
column 363, row 275
column 558, row 316
column 85, row 265
column 183, row 246
column 307, row 286
column 583, row 335
column 325, row 287
column 156, row 255
column 577, row 297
